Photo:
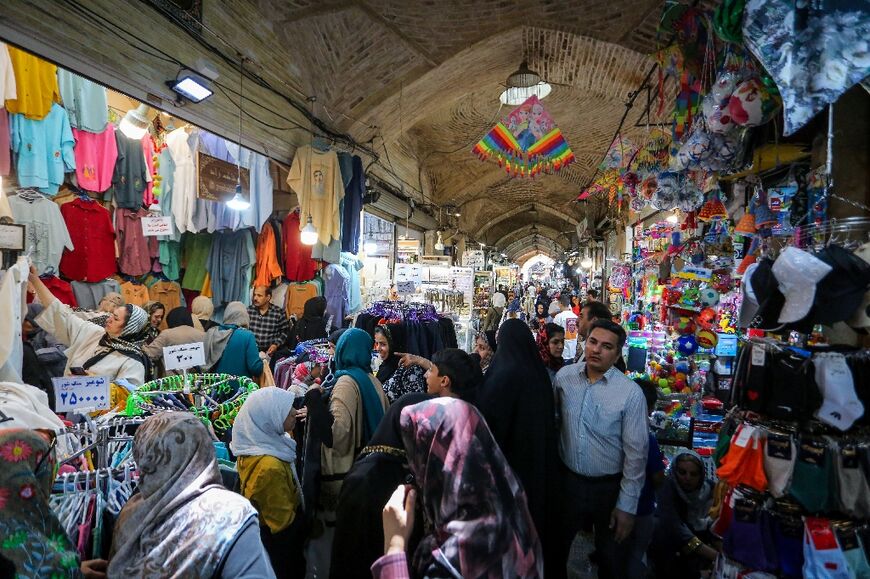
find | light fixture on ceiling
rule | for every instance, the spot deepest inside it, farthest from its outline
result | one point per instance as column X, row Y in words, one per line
column 439, row 244
column 191, row 86
column 523, row 84
column 309, row 233
column 238, row 202
column 135, row 123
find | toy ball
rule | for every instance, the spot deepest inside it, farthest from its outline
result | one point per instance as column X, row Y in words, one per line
column 687, row 390
column 680, row 384
column 685, row 325
column 687, row 345
column 709, row 296
column 681, row 376
column 663, row 383
column 666, row 391
column 706, row 318
column 683, row 367
column 671, row 380
column 707, row 339
column 751, row 103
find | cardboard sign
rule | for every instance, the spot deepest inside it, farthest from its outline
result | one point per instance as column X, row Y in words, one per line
column 184, row 356
column 152, row 226
column 81, row 392
column 12, row 237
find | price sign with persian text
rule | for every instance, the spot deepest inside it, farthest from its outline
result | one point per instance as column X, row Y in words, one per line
column 184, row 356
column 81, row 392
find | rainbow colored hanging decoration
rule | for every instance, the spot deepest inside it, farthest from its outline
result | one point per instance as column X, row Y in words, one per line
column 527, row 143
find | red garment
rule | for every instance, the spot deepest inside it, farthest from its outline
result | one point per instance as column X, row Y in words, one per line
column 149, row 150
column 298, row 265
column 93, row 237
column 5, row 147
column 60, row 289
column 135, row 249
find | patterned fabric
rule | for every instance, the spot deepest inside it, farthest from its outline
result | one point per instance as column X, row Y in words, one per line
column 31, row 537
column 183, row 518
column 473, row 503
column 405, row 381
column 543, row 341
column 271, row 328
column 814, row 51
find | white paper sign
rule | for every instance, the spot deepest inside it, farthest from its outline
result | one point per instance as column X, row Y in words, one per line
column 408, row 277
column 474, row 258
column 79, row 392
column 152, row 226
column 183, row 356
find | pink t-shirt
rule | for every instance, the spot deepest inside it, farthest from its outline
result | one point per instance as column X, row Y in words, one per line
column 148, row 197
column 96, row 154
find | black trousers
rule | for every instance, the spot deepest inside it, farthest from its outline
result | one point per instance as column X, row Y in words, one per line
column 588, row 503
column 286, row 548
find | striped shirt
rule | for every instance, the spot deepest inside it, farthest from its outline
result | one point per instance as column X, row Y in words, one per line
column 603, row 429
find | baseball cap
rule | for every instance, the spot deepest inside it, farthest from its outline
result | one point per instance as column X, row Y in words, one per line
column 861, row 317
column 841, row 406
column 770, row 299
column 842, row 291
column 797, row 273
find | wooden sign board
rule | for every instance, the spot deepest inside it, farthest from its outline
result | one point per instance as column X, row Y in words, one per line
column 216, row 179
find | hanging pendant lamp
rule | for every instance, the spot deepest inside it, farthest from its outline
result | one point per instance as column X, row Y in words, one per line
column 238, row 202
column 522, row 84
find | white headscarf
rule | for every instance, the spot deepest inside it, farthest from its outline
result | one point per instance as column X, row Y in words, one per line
column 498, row 300
column 259, row 426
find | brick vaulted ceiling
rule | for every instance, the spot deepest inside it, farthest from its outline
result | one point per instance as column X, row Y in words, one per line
column 422, row 78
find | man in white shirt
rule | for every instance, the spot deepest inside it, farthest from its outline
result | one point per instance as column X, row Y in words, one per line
column 568, row 320
column 603, row 446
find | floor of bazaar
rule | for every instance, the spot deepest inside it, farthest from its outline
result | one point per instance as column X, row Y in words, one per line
column 372, row 289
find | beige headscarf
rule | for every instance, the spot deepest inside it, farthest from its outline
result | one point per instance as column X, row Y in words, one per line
column 202, row 308
column 183, row 518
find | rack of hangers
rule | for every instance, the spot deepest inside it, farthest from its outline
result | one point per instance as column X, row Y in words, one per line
column 413, row 311
column 214, row 398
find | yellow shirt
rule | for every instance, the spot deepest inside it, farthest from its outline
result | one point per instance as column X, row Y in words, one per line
column 315, row 177
column 268, row 483
column 36, row 83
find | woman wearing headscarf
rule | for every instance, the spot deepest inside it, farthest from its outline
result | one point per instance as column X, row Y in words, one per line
column 396, row 380
column 541, row 313
column 356, row 406
column 34, row 543
column 551, row 344
column 267, row 467
column 485, row 346
column 92, row 349
column 312, row 325
column 517, row 401
column 232, row 349
column 475, row 511
column 180, row 331
column 494, row 313
column 380, row 467
column 681, row 543
column 156, row 312
column 202, row 310
column 183, row 522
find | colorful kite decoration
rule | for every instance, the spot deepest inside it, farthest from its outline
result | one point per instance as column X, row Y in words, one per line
column 527, row 143
column 619, row 155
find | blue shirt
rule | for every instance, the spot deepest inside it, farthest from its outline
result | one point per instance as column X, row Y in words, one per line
column 654, row 464
column 44, row 149
column 85, row 101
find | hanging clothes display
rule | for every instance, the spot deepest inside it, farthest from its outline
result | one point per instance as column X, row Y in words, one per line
column 89, row 295
column 268, row 268
column 167, row 293
column 149, row 151
column 353, row 265
column 43, row 149
column 195, row 251
column 298, row 265
column 131, row 172
column 136, row 250
column 230, row 263
column 85, row 101
column 8, row 91
column 36, row 85
column 60, row 289
column 46, row 233
column 170, row 258
column 416, row 325
column 298, row 294
column 315, row 177
column 354, row 191
column 183, row 179
column 13, row 308
column 134, row 293
column 96, row 154
column 336, row 289
column 93, row 237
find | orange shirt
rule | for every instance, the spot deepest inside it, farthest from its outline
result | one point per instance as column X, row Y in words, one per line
column 36, row 83
column 267, row 268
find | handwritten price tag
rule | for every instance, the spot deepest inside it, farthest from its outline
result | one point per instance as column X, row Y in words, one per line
column 152, row 226
column 184, row 356
column 78, row 392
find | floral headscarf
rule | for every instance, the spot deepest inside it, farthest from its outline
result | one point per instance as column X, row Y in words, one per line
column 544, row 348
column 472, row 501
column 31, row 537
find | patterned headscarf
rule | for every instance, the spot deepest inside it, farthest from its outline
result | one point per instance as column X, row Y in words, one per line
column 182, row 518
column 473, row 502
column 31, row 537
column 136, row 320
column 544, row 348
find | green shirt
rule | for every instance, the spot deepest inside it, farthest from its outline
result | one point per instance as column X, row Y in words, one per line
column 196, row 250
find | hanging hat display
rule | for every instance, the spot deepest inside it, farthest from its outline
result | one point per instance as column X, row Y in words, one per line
column 746, row 225
column 713, row 209
column 764, row 217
